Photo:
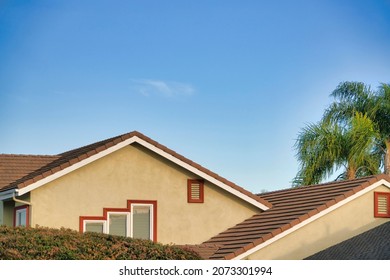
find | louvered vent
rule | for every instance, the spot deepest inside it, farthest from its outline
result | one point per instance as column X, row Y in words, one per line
column 382, row 205
column 195, row 191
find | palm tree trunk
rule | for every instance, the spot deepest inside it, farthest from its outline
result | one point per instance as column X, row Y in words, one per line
column 351, row 173
column 387, row 157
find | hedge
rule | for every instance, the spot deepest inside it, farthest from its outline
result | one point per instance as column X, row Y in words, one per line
column 41, row 243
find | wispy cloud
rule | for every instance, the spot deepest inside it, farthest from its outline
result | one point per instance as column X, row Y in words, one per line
column 148, row 87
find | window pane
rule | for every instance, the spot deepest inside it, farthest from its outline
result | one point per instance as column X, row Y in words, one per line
column 141, row 222
column 118, row 224
column 94, row 227
column 21, row 218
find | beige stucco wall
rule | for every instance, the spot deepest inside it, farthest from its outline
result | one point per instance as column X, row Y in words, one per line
column 341, row 224
column 136, row 173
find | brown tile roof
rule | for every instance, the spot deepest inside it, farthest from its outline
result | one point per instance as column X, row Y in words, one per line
column 14, row 167
column 290, row 207
column 35, row 170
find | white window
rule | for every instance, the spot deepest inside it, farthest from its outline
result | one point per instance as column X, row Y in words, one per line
column 21, row 217
column 94, row 226
column 142, row 221
column 119, row 223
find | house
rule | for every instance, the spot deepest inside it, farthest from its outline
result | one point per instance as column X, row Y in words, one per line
column 133, row 186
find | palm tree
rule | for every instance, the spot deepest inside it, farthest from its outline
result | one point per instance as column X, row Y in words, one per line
column 382, row 120
column 352, row 97
column 328, row 146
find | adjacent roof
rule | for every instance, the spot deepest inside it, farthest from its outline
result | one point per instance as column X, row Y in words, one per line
column 25, row 172
column 291, row 208
column 373, row 244
column 14, row 167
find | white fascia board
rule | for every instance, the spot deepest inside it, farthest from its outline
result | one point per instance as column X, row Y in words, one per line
column 75, row 166
column 7, row 194
column 202, row 174
column 152, row 148
column 312, row 219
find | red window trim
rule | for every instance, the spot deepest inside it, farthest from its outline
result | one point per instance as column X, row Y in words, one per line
column 125, row 210
column 376, row 210
column 27, row 214
column 190, row 199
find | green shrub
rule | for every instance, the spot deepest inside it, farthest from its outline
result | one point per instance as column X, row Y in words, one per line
column 40, row 243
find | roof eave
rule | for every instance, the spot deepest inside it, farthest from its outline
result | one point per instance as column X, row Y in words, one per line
column 7, row 194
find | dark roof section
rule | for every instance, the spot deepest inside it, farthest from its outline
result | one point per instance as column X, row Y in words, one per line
column 373, row 244
column 290, row 207
column 53, row 164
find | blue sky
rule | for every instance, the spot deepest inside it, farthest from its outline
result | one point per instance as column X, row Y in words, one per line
column 228, row 84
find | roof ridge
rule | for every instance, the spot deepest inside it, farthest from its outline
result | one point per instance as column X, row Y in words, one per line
column 95, row 143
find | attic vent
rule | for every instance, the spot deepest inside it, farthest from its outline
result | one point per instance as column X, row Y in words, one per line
column 382, row 204
column 195, row 192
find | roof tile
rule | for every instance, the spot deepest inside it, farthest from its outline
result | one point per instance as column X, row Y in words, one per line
column 330, row 203
column 276, row 231
column 294, row 223
column 248, row 247
column 312, row 212
column 47, row 173
column 349, row 193
column 82, row 157
column 65, row 165
column 303, row 217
